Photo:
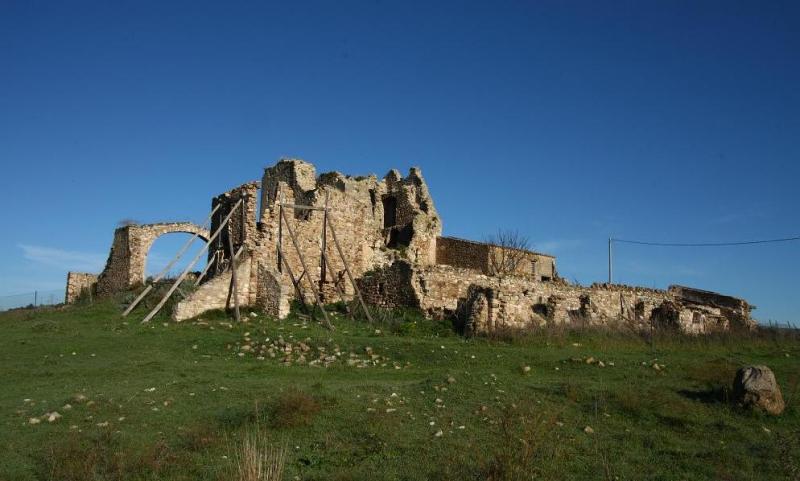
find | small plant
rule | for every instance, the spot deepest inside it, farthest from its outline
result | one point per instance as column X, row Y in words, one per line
column 257, row 460
column 294, row 408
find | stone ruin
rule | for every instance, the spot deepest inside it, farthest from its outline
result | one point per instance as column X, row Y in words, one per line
column 390, row 236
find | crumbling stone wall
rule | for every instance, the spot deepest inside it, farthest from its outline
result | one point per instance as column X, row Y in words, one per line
column 376, row 222
column 358, row 213
column 389, row 233
column 127, row 259
column 455, row 252
column 273, row 293
column 79, row 284
column 478, row 256
column 213, row 294
column 389, row 286
column 483, row 303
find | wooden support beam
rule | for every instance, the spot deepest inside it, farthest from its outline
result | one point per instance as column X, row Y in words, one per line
column 324, row 247
column 335, row 283
column 234, row 284
column 205, row 271
column 295, row 282
column 166, row 269
column 191, row 264
column 347, row 269
column 305, row 268
column 136, row 301
column 280, row 236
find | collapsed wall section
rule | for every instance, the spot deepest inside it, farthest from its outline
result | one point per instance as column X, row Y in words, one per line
column 483, row 303
column 79, row 284
column 213, row 294
column 375, row 222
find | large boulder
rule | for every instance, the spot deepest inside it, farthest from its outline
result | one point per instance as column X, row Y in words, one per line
column 756, row 387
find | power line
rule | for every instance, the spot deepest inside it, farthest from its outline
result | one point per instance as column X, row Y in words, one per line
column 611, row 241
column 704, row 244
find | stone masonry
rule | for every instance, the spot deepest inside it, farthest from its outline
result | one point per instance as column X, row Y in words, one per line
column 389, row 233
column 79, row 284
column 125, row 267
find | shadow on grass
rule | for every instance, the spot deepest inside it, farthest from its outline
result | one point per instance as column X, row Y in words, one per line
column 714, row 395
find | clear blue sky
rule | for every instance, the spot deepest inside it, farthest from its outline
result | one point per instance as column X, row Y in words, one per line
column 570, row 121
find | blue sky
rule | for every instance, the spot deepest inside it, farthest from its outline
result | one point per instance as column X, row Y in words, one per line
column 569, row 121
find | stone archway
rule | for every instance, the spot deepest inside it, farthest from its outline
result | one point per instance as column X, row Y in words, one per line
column 127, row 260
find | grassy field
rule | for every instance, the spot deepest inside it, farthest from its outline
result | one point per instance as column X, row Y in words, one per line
column 405, row 400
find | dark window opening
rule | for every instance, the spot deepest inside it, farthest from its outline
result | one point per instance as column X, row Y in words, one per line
column 389, row 212
column 372, row 200
column 400, row 237
column 540, row 309
column 381, row 288
column 638, row 310
column 546, row 278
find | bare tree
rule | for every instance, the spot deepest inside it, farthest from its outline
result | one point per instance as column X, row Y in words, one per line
column 510, row 248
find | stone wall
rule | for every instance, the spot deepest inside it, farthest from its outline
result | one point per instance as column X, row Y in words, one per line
column 375, row 222
column 485, row 303
column 274, row 295
column 485, row 258
column 455, row 252
column 213, row 294
column 368, row 235
column 389, row 233
column 389, row 286
column 125, row 267
column 79, row 284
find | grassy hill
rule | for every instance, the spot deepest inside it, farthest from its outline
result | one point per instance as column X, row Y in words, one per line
column 405, row 400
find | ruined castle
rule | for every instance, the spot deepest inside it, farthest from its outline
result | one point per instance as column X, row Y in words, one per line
column 270, row 236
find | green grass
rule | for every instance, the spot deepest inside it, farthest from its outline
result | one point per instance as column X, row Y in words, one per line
column 172, row 401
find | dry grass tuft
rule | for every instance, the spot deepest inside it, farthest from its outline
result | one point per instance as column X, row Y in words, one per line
column 257, row 460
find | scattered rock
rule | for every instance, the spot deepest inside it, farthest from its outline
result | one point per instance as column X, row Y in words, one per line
column 53, row 417
column 439, row 434
column 34, row 421
column 755, row 387
column 588, row 430
column 526, row 369
column 451, row 380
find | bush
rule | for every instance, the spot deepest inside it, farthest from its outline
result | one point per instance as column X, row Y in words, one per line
column 294, row 408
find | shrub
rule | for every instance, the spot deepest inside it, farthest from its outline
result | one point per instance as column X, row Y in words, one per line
column 294, row 408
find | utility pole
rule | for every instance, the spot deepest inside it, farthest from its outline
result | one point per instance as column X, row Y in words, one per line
column 610, row 268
